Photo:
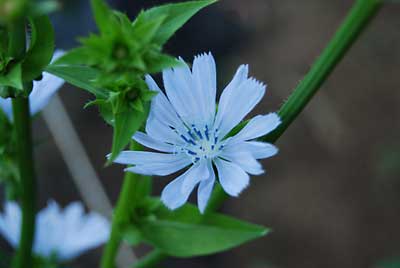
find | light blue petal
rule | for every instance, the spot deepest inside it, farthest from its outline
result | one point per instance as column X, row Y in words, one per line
column 236, row 102
column 82, row 232
column 258, row 126
column 259, row 150
column 233, row 179
column 205, row 81
column 202, row 168
column 160, row 169
column 146, row 158
column 43, row 90
column 10, row 222
column 6, row 106
column 245, row 160
column 161, row 108
column 205, row 189
column 180, row 94
column 175, row 194
column 152, row 143
column 49, row 230
column 160, row 131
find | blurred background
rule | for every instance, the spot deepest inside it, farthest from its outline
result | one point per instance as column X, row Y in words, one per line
column 332, row 195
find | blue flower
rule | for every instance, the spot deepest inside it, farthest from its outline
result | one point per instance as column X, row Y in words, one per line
column 64, row 234
column 188, row 130
column 41, row 93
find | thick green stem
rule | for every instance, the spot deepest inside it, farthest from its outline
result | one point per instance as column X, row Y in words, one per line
column 356, row 21
column 22, row 121
column 133, row 189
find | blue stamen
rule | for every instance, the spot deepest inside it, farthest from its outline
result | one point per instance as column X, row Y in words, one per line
column 206, row 133
column 191, row 135
column 184, row 138
column 191, row 152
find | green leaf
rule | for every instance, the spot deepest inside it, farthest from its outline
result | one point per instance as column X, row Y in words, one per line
column 176, row 16
column 187, row 233
column 389, row 263
column 126, row 123
column 13, row 78
column 41, row 48
column 132, row 236
column 80, row 76
column 102, row 15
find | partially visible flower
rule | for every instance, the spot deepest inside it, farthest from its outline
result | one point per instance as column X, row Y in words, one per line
column 186, row 128
column 64, row 234
column 41, row 93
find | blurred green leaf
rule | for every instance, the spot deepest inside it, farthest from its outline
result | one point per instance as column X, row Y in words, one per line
column 40, row 50
column 13, row 78
column 186, row 233
column 132, row 236
column 176, row 15
column 390, row 263
column 126, row 123
column 80, row 76
column 102, row 15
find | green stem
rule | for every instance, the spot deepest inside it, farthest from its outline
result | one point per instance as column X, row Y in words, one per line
column 356, row 21
column 123, row 211
column 22, row 121
column 151, row 259
column 133, row 189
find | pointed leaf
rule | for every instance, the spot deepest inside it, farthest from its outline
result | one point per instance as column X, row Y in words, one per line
column 126, row 123
column 186, row 233
column 102, row 15
column 13, row 78
column 41, row 48
column 176, row 16
column 80, row 76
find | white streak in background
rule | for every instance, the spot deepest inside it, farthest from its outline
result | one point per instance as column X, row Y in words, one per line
column 41, row 93
column 184, row 126
column 64, row 233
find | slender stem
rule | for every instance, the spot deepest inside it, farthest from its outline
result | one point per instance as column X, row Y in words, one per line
column 356, row 21
column 151, row 259
column 22, row 121
column 121, row 216
column 133, row 189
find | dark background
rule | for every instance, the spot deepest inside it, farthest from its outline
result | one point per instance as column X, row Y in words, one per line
column 332, row 194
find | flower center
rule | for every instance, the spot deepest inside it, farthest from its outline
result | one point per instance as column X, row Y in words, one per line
column 200, row 143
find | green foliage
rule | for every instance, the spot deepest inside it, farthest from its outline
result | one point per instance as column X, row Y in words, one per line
column 40, row 50
column 186, row 233
column 389, row 263
column 18, row 71
column 176, row 15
